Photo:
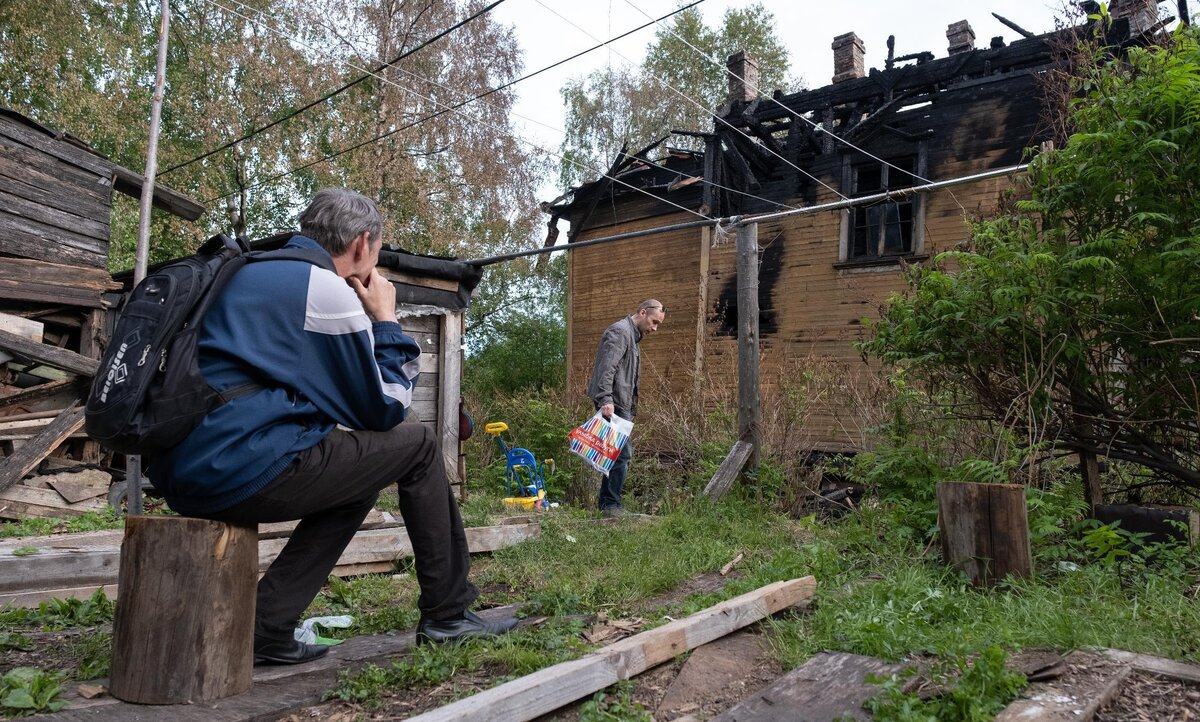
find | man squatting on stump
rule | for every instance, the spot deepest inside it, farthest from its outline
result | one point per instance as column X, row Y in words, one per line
column 614, row 389
column 323, row 435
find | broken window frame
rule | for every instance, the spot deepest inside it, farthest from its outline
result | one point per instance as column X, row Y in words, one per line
column 899, row 215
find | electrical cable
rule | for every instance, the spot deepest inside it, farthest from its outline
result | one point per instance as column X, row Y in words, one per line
column 334, row 93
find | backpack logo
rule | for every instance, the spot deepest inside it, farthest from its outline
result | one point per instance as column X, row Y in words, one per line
column 118, row 372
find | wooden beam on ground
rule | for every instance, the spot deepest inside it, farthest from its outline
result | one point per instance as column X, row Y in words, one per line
column 1155, row 665
column 546, row 690
column 729, row 469
column 1091, row 682
column 86, row 567
column 59, row 358
column 830, row 685
column 22, row 461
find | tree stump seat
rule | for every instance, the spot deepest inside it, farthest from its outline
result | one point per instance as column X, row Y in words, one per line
column 184, row 625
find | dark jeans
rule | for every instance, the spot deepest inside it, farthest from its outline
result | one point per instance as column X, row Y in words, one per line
column 611, row 485
column 330, row 488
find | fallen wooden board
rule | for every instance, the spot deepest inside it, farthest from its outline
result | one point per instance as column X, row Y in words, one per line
column 79, row 486
column 59, row 358
column 729, row 469
column 277, row 691
column 829, row 686
column 548, row 689
column 22, row 578
column 1155, row 665
column 23, row 502
column 22, row 461
column 1090, row 682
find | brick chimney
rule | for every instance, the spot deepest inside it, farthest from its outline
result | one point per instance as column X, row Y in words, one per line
column 743, row 77
column 847, row 57
column 961, row 37
column 1142, row 14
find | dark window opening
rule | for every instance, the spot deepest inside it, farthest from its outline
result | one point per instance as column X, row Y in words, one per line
column 885, row 229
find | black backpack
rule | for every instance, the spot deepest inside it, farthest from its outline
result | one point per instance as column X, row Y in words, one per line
column 148, row 394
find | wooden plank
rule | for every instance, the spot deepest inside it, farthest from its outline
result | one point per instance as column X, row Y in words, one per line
column 40, row 213
column 729, row 469
column 30, row 280
column 1155, row 665
column 49, row 234
column 23, row 327
column 16, row 242
column 167, row 199
column 1090, row 683
column 59, row 358
column 97, row 560
column 63, row 177
column 829, row 686
column 72, row 387
column 22, row 502
column 450, row 378
column 443, row 284
column 52, row 146
column 15, row 466
column 32, row 184
column 548, row 689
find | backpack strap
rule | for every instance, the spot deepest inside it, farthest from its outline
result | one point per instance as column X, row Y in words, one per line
column 320, row 259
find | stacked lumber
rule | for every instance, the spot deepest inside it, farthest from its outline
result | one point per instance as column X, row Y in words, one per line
column 55, row 293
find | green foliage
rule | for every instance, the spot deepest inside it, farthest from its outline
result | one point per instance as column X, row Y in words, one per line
column 679, row 85
column 25, row 691
column 24, row 551
column 378, row 603
column 981, row 689
column 110, row 518
column 93, row 654
column 526, row 352
column 616, row 704
column 14, row 640
column 1068, row 319
column 54, row 614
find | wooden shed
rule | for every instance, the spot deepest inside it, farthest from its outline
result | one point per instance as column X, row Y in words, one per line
column 822, row 274
column 55, row 297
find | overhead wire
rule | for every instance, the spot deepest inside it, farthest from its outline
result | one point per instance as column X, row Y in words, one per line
column 816, row 126
column 505, row 131
column 686, row 97
column 480, row 96
column 335, row 92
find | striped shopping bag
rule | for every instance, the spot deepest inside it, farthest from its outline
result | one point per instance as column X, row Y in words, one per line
column 599, row 440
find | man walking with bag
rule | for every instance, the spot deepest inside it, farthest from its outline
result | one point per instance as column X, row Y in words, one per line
column 613, row 388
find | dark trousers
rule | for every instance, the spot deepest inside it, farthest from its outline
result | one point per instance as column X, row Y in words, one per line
column 612, row 485
column 330, row 488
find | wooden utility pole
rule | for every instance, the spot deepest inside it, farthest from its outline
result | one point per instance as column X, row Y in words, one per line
column 749, row 409
column 133, row 470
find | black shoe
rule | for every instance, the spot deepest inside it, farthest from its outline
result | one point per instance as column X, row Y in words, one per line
column 441, row 631
column 286, row 651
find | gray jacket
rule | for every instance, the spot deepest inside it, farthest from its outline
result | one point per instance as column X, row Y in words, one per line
column 615, row 373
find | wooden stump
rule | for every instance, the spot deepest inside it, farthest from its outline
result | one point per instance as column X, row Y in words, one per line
column 985, row 530
column 184, row 625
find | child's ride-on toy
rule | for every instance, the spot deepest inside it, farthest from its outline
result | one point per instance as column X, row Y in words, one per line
column 522, row 471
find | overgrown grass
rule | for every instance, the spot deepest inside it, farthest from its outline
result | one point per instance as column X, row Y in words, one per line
column 110, row 518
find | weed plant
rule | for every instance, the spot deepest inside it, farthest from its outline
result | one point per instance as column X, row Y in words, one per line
column 110, row 518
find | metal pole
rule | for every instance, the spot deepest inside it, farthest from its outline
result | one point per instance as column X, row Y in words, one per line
column 749, row 409
column 133, row 475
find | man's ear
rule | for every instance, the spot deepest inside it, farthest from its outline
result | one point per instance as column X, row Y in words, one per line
column 361, row 245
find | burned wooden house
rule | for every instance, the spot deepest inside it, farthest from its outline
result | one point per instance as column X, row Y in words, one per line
column 821, row 274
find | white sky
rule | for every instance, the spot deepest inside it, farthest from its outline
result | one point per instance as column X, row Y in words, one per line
column 806, row 28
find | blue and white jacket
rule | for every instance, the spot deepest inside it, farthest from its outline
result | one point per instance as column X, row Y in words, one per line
column 301, row 333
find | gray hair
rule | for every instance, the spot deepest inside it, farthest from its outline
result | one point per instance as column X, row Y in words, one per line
column 650, row 304
column 337, row 216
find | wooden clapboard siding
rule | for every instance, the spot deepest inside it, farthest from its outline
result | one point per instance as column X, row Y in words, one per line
column 55, row 199
column 28, row 280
